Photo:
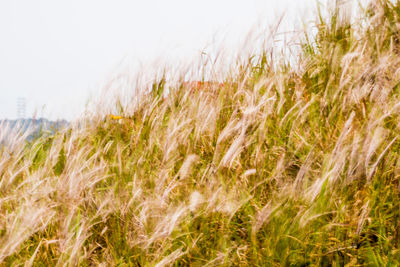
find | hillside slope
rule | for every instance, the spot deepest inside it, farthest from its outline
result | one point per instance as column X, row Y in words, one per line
column 282, row 165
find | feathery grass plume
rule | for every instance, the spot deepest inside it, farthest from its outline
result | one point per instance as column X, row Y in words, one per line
column 279, row 159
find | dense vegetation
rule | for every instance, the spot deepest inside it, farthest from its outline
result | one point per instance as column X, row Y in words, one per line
column 281, row 164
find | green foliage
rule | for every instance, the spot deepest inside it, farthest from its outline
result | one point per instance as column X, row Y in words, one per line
column 280, row 165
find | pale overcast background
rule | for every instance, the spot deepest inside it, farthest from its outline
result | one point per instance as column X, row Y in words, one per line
column 55, row 53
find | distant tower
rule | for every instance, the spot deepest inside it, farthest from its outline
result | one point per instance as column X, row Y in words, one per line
column 21, row 107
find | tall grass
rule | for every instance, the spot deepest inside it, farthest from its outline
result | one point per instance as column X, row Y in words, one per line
column 281, row 164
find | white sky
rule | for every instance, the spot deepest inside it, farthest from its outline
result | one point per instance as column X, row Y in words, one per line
column 54, row 53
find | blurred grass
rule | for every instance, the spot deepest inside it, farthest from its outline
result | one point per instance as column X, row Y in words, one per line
column 278, row 165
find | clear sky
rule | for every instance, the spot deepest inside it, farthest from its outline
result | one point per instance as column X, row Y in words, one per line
column 56, row 53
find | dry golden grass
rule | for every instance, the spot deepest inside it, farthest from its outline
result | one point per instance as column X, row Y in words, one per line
column 278, row 165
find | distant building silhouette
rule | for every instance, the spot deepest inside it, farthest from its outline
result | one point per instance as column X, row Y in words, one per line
column 21, row 107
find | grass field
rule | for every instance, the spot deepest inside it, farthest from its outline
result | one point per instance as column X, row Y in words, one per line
column 279, row 165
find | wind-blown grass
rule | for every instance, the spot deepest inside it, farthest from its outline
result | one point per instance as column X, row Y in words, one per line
column 279, row 165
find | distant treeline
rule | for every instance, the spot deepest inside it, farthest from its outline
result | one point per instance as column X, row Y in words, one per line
column 34, row 127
